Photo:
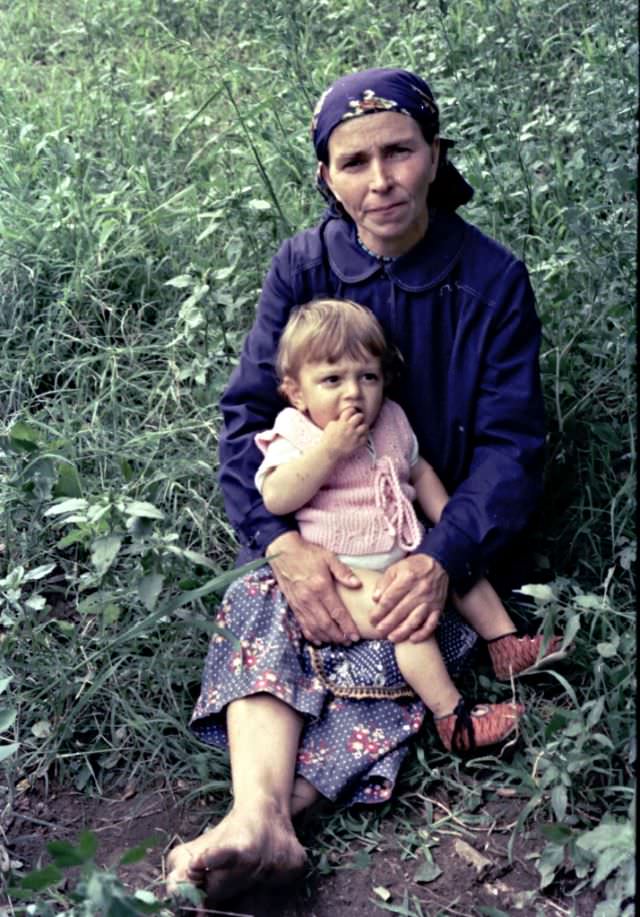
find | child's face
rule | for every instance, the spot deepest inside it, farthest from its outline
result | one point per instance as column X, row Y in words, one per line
column 324, row 390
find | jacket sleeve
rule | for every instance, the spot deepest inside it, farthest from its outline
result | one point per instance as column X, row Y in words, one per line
column 249, row 405
column 504, row 482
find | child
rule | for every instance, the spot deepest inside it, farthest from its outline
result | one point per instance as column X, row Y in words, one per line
column 345, row 460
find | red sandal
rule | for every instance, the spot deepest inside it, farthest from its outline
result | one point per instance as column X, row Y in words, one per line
column 512, row 656
column 475, row 727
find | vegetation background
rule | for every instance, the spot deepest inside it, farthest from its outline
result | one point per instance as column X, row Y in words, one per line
column 153, row 155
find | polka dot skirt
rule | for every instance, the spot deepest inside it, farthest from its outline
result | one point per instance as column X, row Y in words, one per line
column 351, row 748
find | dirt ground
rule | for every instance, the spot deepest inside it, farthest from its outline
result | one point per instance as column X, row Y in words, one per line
column 475, row 878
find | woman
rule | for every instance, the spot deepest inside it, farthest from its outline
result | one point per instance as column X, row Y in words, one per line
column 460, row 309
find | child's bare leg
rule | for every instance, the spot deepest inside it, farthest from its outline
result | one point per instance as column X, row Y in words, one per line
column 423, row 668
column 460, row 726
column 482, row 609
column 421, row 664
column 359, row 602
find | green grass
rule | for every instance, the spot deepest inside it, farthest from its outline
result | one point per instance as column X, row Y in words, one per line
column 153, row 157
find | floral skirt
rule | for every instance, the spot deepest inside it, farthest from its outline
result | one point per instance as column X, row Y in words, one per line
column 359, row 714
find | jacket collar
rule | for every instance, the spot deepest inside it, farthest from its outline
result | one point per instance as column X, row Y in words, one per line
column 424, row 266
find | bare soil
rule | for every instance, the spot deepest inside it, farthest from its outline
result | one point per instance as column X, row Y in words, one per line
column 478, row 877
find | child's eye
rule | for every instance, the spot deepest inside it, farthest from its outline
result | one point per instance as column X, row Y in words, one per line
column 331, row 380
column 370, row 377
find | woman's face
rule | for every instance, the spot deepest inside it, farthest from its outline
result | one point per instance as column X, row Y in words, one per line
column 380, row 168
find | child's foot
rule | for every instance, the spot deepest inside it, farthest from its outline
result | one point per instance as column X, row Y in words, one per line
column 512, row 655
column 475, row 727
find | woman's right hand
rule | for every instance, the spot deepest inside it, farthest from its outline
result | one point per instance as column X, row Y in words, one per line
column 306, row 573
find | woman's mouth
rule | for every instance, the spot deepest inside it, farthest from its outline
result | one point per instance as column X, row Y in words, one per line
column 388, row 209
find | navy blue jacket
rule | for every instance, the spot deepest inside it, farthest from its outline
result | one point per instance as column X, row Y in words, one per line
column 461, row 310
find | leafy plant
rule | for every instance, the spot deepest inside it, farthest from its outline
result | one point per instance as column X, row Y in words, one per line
column 7, row 719
column 96, row 891
column 604, row 854
column 14, row 602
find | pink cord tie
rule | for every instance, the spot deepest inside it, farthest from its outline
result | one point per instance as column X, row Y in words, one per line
column 399, row 516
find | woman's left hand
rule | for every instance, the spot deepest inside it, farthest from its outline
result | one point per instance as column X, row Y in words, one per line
column 409, row 599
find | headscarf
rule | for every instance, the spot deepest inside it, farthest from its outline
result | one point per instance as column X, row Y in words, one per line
column 383, row 89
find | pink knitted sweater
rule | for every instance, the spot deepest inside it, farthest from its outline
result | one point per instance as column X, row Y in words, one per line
column 365, row 507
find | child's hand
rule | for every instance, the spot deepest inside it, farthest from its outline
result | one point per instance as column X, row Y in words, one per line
column 342, row 437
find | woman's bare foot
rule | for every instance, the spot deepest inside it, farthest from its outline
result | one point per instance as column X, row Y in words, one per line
column 303, row 796
column 244, row 849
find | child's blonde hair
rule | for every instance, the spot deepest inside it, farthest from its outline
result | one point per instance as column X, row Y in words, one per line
column 325, row 331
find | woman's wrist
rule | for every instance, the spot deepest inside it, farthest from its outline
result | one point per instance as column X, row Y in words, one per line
column 286, row 541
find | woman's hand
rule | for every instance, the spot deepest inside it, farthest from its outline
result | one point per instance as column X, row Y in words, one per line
column 410, row 598
column 306, row 573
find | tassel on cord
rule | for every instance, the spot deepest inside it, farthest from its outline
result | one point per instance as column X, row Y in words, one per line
column 399, row 515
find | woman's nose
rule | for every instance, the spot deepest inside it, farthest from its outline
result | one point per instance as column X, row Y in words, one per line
column 379, row 177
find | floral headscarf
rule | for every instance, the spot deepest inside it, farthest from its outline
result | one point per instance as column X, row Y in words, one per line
column 378, row 90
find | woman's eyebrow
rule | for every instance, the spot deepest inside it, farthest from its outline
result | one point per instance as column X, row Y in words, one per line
column 345, row 155
column 350, row 154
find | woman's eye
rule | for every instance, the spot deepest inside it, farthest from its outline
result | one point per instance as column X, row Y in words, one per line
column 352, row 164
column 399, row 150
